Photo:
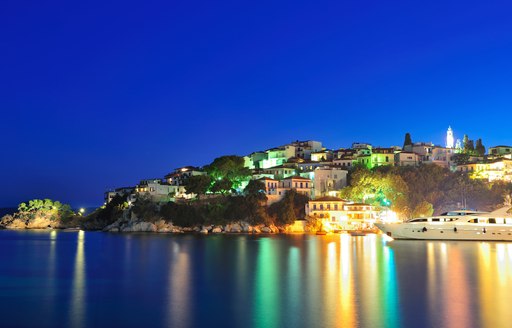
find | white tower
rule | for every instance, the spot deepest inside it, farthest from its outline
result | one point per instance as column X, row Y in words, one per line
column 449, row 138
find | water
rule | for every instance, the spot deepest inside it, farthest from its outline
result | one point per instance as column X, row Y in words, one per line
column 93, row 279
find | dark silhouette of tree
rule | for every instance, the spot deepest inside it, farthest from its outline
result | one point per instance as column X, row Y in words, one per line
column 198, row 184
column 479, row 148
column 407, row 140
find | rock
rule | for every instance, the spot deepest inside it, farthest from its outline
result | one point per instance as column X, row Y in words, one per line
column 217, row 230
column 245, row 226
column 227, row 228
column 236, row 228
column 274, row 229
column 256, row 229
column 16, row 224
column 40, row 223
column 140, row 227
column 204, row 230
column 197, row 229
column 187, row 229
column 266, row 230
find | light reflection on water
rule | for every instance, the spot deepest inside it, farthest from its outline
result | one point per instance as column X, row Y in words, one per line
column 101, row 280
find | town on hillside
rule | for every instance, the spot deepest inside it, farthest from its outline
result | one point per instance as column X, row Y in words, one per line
column 319, row 173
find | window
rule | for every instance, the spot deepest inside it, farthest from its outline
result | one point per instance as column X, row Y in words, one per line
column 492, row 220
column 387, row 158
column 301, row 184
column 314, row 206
column 335, row 207
column 321, row 206
column 328, row 206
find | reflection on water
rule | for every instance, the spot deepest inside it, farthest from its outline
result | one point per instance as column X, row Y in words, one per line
column 78, row 303
column 251, row 281
column 179, row 287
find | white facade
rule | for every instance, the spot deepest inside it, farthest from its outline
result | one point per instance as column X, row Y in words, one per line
column 328, row 178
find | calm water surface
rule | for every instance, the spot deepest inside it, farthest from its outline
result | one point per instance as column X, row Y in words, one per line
column 93, row 279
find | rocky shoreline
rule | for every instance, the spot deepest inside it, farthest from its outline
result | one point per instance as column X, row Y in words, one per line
column 130, row 223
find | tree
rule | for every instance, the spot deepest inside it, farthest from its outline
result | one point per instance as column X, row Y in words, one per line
column 255, row 189
column 460, row 158
column 198, row 184
column 407, row 140
column 222, row 186
column 479, row 148
column 290, row 208
column 468, row 145
column 423, row 209
column 145, row 208
column 230, row 167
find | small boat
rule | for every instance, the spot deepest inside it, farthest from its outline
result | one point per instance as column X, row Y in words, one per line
column 455, row 225
column 357, row 233
column 321, row 232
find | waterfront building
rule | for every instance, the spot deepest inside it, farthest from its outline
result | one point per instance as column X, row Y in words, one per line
column 160, row 191
column 337, row 213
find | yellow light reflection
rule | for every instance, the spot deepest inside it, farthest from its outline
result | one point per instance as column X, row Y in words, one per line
column 78, row 290
column 179, row 288
column 494, row 275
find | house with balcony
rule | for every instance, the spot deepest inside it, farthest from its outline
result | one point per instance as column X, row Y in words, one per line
column 276, row 189
column 337, row 213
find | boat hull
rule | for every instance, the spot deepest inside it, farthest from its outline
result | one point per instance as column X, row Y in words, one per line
column 425, row 231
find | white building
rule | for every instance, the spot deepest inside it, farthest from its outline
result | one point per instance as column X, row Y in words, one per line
column 328, row 179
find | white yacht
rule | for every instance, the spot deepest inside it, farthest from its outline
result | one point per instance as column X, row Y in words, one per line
column 455, row 225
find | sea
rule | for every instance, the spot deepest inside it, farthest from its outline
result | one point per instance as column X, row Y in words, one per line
column 96, row 279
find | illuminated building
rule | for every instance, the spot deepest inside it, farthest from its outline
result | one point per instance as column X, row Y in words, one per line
column 496, row 170
column 337, row 213
column 276, row 189
column 449, row 138
column 178, row 177
column 500, row 151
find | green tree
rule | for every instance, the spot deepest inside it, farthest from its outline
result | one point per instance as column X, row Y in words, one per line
column 222, row 186
column 230, row 167
column 290, row 208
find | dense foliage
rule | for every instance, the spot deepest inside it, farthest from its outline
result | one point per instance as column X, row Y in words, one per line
column 412, row 191
column 54, row 209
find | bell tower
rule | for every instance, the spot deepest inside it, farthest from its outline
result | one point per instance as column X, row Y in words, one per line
column 449, row 137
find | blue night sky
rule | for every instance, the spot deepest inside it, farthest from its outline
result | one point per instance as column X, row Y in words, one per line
column 100, row 94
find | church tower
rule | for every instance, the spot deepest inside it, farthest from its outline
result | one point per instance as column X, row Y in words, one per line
column 449, row 138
